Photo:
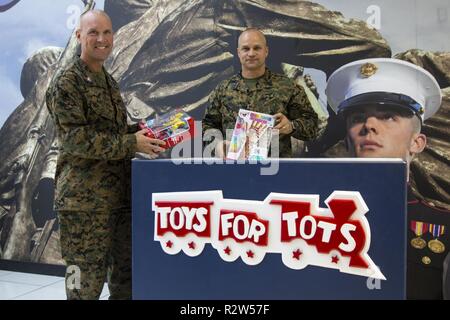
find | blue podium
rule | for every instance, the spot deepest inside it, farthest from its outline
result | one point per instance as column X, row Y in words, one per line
column 158, row 275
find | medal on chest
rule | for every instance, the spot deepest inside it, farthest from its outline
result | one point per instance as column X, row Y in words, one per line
column 419, row 228
column 435, row 245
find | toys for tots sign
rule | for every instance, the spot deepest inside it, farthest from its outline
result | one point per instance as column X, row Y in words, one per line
column 292, row 225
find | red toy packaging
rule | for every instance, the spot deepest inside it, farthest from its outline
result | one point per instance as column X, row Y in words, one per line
column 173, row 127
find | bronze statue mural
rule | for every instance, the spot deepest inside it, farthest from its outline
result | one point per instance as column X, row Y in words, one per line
column 172, row 53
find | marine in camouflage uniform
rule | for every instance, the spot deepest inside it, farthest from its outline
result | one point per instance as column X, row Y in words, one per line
column 92, row 194
column 258, row 89
column 273, row 93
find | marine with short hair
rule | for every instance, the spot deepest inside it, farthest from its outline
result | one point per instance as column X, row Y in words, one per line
column 384, row 103
column 93, row 173
column 258, row 89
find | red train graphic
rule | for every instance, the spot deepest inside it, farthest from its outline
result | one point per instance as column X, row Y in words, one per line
column 292, row 225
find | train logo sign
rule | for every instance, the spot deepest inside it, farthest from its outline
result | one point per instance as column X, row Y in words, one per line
column 293, row 225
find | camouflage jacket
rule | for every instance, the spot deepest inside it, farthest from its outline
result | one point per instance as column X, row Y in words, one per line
column 96, row 144
column 273, row 93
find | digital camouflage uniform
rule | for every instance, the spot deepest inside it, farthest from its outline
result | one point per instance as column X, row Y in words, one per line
column 272, row 93
column 92, row 194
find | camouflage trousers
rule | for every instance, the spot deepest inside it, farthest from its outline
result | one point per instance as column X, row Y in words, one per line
column 96, row 247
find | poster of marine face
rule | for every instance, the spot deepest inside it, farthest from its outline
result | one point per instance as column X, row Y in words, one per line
column 171, row 54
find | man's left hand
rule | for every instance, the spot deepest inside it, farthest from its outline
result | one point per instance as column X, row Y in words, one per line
column 283, row 124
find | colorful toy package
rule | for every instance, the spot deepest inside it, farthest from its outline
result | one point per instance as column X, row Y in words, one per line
column 251, row 136
column 173, row 127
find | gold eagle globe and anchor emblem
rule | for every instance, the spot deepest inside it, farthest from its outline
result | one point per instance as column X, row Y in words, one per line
column 368, row 69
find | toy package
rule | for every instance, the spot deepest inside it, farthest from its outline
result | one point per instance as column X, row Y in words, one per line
column 173, row 127
column 251, row 136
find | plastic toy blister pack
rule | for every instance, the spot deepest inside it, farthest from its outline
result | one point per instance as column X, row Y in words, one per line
column 173, row 127
column 251, row 136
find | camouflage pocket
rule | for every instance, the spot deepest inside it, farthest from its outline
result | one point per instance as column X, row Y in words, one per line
column 232, row 107
column 100, row 103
